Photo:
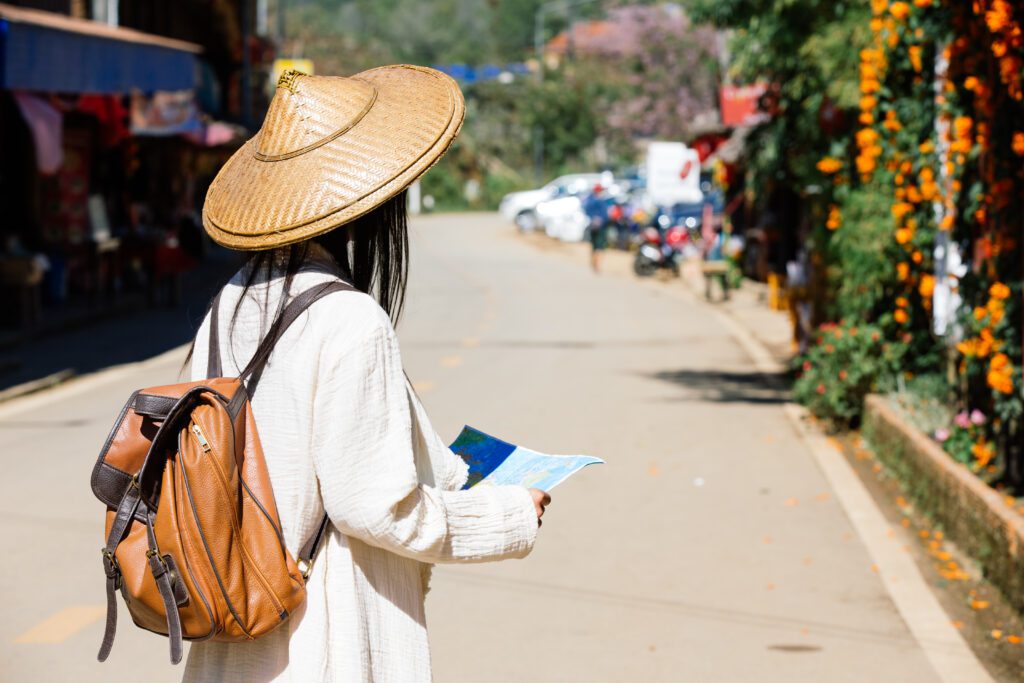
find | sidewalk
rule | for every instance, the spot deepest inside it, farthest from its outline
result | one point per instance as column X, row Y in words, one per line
column 81, row 341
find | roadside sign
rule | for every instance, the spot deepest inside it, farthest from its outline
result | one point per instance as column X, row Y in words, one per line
column 673, row 174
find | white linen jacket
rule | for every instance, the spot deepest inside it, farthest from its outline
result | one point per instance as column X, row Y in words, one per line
column 342, row 431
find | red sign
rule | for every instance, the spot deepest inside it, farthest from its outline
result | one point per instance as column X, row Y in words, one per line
column 740, row 104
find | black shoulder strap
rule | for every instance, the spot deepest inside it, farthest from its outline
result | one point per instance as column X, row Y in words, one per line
column 254, row 370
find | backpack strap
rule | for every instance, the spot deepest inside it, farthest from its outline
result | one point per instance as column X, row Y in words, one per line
column 213, row 368
column 254, row 370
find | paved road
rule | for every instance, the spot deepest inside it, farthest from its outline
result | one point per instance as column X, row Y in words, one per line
column 709, row 548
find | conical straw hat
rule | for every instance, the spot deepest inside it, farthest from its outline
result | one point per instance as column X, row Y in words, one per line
column 330, row 150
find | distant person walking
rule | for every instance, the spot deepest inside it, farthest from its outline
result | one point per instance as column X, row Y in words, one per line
column 595, row 206
column 318, row 197
column 715, row 265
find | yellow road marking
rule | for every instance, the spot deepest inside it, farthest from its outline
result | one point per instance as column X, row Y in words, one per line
column 451, row 361
column 63, row 624
column 423, row 386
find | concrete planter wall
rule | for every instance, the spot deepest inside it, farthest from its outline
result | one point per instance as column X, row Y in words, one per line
column 970, row 513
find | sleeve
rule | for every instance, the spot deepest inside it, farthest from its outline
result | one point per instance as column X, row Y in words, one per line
column 365, row 464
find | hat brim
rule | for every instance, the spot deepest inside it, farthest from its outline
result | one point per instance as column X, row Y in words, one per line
column 255, row 204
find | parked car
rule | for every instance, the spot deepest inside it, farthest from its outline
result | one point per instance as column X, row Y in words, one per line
column 562, row 218
column 520, row 207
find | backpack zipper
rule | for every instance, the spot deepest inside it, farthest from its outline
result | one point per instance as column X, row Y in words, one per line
column 246, row 558
column 203, row 443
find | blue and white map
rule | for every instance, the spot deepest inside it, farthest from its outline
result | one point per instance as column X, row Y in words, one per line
column 493, row 461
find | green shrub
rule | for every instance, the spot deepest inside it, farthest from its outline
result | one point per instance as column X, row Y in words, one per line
column 845, row 364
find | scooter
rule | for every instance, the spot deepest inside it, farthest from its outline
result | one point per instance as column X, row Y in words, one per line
column 659, row 252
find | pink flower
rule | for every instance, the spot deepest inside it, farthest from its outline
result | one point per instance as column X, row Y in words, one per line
column 941, row 434
column 962, row 420
column 821, row 389
column 978, row 417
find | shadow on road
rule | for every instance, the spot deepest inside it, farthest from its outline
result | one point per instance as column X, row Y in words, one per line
column 723, row 386
column 135, row 334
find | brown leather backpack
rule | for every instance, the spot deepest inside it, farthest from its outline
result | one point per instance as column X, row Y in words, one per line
column 193, row 537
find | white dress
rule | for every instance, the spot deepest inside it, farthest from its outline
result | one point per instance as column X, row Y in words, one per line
column 343, row 431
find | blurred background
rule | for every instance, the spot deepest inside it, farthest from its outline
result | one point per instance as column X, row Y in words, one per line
column 661, row 220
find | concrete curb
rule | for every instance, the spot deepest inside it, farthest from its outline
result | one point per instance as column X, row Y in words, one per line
column 32, row 386
column 971, row 513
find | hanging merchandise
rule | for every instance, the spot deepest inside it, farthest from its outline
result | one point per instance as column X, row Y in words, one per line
column 46, row 124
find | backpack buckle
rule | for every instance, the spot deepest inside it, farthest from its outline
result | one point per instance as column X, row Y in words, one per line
column 305, row 568
column 111, row 567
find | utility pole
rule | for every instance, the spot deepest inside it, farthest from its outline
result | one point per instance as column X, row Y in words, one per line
column 280, row 23
column 246, row 18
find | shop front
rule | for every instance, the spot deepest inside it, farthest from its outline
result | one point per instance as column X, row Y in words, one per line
column 96, row 177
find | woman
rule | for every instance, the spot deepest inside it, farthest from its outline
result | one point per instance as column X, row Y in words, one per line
column 318, row 195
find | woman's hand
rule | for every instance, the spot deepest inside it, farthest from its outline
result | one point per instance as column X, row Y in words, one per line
column 541, row 499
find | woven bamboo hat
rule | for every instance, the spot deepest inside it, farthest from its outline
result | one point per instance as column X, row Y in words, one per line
column 330, row 150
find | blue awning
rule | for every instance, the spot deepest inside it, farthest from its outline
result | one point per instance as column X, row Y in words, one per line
column 49, row 52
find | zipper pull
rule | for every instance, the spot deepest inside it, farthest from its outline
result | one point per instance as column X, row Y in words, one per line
column 202, row 439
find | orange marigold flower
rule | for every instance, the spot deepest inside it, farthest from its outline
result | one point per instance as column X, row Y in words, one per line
column 922, row 3
column 962, row 126
column 1000, row 362
column 900, row 316
column 947, row 222
column 829, row 165
column 903, row 235
column 917, row 257
column 999, row 291
column 868, row 102
column 999, row 16
column 980, row 312
column 1018, row 144
column 901, row 209
column 903, row 270
column 983, row 453
column 926, row 147
column 899, row 10
column 835, row 219
column 996, row 310
column 866, row 137
column 927, row 286
column 879, row 6
column 971, row 83
column 865, row 165
column 902, row 302
column 914, row 52
column 1000, row 381
column 968, row 347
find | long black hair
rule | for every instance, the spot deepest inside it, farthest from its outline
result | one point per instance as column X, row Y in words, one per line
column 372, row 252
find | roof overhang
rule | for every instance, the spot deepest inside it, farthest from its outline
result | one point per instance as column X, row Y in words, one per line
column 44, row 51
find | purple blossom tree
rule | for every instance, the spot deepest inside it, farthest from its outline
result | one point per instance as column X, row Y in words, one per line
column 663, row 70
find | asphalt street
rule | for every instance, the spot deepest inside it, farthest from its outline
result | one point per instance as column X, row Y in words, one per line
column 710, row 547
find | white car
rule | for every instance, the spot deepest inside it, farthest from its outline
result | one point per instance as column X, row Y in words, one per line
column 563, row 218
column 520, row 207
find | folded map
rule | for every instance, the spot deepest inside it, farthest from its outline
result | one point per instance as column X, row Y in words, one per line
column 493, row 461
